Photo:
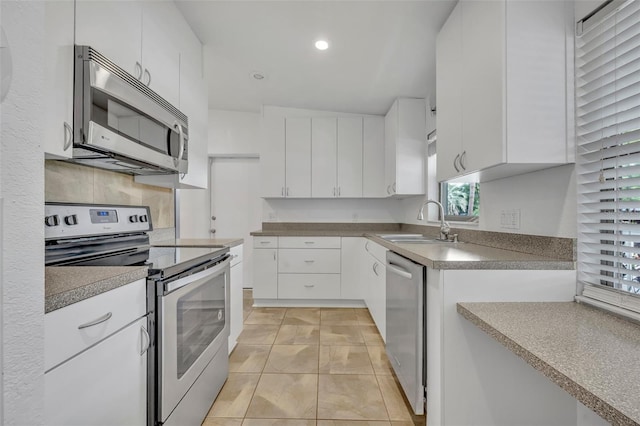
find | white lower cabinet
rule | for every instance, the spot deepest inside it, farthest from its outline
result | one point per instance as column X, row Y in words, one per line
column 104, row 385
column 235, row 298
column 265, row 273
column 374, row 285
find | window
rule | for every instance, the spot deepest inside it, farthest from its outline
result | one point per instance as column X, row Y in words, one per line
column 608, row 170
column 461, row 201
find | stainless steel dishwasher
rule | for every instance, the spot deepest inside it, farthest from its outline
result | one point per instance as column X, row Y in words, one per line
column 406, row 342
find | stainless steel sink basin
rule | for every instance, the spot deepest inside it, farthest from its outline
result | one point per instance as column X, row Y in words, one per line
column 409, row 238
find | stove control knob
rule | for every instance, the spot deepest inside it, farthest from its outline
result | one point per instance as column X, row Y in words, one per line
column 71, row 220
column 144, row 218
column 53, row 220
column 133, row 218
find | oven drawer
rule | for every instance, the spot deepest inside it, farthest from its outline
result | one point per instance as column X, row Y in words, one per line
column 308, row 286
column 311, row 261
column 265, row 242
column 63, row 339
column 309, row 242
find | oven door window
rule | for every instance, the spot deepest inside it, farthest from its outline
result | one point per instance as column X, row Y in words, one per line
column 116, row 116
column 201, row 317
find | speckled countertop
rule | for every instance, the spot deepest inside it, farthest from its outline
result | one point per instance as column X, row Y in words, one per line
column 442, row 255
column 201, row 242
column 590, row 354
column 65, row 285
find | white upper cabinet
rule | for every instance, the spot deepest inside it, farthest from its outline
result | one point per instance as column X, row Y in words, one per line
column 272, row 156
column 57, row 141
column 321, row 154
column 349, row 157
column 138, row 37
column 405, row 147
column 373, row 159
column 298, row 157
column 502, row 106
column 323, row 157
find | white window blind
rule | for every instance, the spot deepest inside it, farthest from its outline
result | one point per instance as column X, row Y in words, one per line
column 608, row 131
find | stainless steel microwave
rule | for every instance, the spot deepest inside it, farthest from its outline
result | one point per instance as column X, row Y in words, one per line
column 122, row 125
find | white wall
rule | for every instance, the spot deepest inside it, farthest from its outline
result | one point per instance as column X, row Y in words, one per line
column 22, row 176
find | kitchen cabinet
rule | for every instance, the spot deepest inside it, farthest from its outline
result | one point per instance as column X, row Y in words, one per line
column 58, row 133
column 324, row 153
column 352, row 268
column 298, row 157
column 319, row 154
column 405, row 147
column 97, row 374
column 235, row 300
column 373, row 158
column 138, row 36
column 349, row 158
column 502, row 106
column 473, row 380
column 375, row 283
column 265, row 267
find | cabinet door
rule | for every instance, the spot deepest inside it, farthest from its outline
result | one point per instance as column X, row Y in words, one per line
column 105, row 385
column 113, row 29
column 350, row 157
column 411, row 146
column 235, row 327
column 390, row 135
column 272, row 157
column 58, row 79
column 353, row 269
column 373, row 179
column 449, row 96
column 160, row 51
column 265, row 273
column 323, row 157
column 298, row 157
column 483, row 84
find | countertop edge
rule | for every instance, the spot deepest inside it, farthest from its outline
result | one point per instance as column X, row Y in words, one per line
column 579, row 392
column 63, row 299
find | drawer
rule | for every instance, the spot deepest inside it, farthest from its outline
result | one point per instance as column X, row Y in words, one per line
column 376, row 250
column 311, row 261
column 309, row 242
column 265, row 242
column 236, row 255
column 308, row 286
column 62, row 337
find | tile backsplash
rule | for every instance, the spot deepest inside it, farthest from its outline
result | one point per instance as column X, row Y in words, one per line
column 67, row 182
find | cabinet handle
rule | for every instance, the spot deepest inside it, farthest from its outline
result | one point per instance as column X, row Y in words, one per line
column 464, row 153
column 394, row 187
column 283, row 191
column 138, row 70
column 148, row 74
column 69, row 136
column 265, row 242
column 334, row 191
column 455, row 163
column 366, row 246
column 274, row 255
column 287, row 191
column 97, row 321
column 309, row 261
column 145, row 333
column 375, row 268
column 309, row 242
column 389, row 189
column 309, row 285
column 338, row 191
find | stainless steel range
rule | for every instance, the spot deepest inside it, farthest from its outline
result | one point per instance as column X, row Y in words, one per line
column 187, row 300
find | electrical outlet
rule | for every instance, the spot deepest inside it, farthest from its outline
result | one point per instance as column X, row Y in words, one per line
column 273, row 216
column 510, row 219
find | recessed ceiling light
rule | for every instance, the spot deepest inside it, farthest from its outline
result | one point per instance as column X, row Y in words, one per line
column 258, row 75
column 322, row 45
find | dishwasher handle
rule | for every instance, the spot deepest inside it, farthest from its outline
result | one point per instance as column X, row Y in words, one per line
column 399, row 270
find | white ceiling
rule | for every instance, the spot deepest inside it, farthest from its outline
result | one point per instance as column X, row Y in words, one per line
column 379, row 50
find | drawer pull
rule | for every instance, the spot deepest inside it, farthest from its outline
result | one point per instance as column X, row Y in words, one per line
column 375, row 268
column 102, row 319
column 309, row 261
column 145, row 334
column 309, row 242
column 309, row 285
column 265, row 242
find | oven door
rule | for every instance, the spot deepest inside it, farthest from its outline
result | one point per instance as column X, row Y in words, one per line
column 193, row 327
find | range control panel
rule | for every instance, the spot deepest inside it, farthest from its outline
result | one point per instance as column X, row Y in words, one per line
column 79, row 220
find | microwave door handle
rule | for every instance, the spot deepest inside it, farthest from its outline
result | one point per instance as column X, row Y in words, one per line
column 181, row 133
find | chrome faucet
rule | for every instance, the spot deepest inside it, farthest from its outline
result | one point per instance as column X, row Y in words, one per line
column 444, row 226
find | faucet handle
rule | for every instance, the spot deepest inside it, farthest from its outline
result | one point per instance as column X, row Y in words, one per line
column 454, row 238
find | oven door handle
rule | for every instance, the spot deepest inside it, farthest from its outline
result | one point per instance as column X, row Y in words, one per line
column 181, row 282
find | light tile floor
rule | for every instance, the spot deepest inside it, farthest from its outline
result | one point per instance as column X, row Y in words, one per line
column 309, row 367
